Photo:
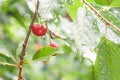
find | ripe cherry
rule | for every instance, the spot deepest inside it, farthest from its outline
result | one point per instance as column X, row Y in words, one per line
column 54, row 45
column 39, row 30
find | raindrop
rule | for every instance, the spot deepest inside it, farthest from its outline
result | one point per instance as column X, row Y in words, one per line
column 87, row 13
column 116, row 12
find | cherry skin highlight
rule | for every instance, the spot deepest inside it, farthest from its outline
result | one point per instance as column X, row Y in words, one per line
column 39, row 30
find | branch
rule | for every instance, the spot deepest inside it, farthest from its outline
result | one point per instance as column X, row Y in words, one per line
column 58, row 36
column 52, row 34
column 25, row 43
column 15, row 60
column 9, row 64
column 100, row 16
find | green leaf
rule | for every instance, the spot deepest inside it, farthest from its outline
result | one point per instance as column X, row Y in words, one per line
column 5, row 61
column 73, row 8
column 45, row 52
column 115, row 3
column 113, row 19
column 2, row 67
column 2, row 60
column 104, row 2
column 90, row 1
column 107, row 65
column 66, row 49
column 3, row 49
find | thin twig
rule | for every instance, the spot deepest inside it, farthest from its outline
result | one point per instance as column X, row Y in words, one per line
column 57, row 36
column 100, row 16
column 52, row 34
column 15, row 61
column 9, row 64
column 25, row 44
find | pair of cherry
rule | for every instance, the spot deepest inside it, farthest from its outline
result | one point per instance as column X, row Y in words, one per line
column 41, row 30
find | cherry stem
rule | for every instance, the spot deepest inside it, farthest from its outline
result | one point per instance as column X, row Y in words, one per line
column 38, row 19
column 48, row 32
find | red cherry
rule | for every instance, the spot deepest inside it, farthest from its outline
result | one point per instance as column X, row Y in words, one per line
column 39, row 30
column 54, row 45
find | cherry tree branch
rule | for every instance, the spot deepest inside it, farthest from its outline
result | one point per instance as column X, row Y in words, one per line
column 52, row 34
column 20, row 77
column 58, row 36
column 100, row 16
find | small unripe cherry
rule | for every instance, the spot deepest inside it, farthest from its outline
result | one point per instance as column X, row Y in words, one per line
column 39, row 30
column 54, row 45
